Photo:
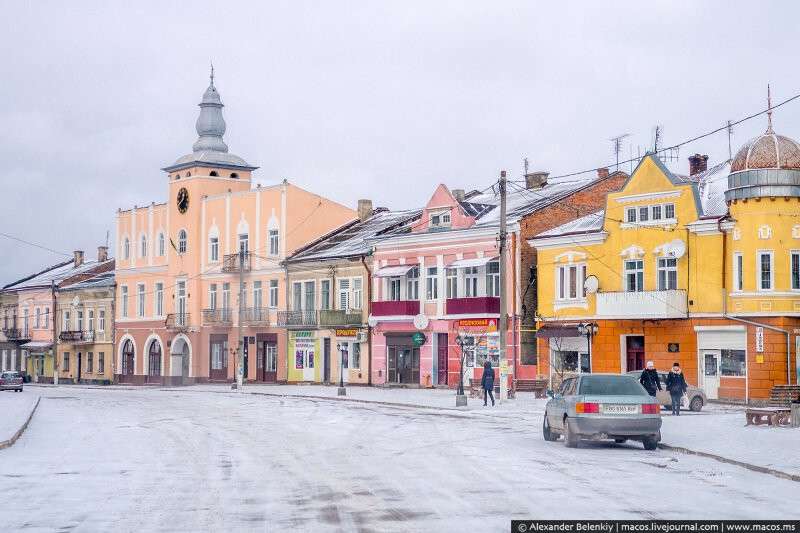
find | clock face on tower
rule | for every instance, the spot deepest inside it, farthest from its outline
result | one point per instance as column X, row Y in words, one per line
column 183, row 200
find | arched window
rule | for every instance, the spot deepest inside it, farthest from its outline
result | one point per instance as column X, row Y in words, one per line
column 234, row 175
column 213, row 173
column 126, row 248
column 127, row 358
column 161, row 245
column 143, row 251
column 154, row 359
column 188, row 174
column 182, row 241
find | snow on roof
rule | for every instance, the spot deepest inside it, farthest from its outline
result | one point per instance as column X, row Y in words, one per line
column 586, row 224
column 57, row 274
column 521, row 201
column 104, row 279
column 353, row 238
column 712, row 185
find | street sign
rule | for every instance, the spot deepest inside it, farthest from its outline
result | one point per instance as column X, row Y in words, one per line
column 418, row 338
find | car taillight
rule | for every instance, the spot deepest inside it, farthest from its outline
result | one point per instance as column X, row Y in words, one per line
column 651, row 409
column 587, row 407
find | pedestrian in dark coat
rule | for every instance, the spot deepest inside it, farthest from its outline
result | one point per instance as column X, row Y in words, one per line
column 487, row 382
column 649, row 379
column 676, row 385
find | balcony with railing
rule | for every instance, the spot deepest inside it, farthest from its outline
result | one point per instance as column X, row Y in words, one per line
column 255, row 316
column 16, row 334
column 233, row 262
column 642, row 304
column 177, row 321
column 471, row 306
column 396, row 308
column 340, row 317
column 297, row 319
column 217, row 317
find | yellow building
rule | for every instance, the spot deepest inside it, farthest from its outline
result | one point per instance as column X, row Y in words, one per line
column 701, row 269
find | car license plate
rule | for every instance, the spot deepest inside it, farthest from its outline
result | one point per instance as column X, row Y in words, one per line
column 616, row 409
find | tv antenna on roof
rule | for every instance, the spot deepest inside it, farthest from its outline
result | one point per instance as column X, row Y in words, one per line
column 618, row 145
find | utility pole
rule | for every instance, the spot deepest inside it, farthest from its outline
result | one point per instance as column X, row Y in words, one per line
column 240, row 351
column 503, row 316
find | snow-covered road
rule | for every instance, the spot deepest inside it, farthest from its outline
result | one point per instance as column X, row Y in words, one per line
column 168, row 460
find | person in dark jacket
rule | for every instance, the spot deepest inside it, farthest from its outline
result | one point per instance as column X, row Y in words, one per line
column 676, row 385
column 487, row 382
column 649, row 379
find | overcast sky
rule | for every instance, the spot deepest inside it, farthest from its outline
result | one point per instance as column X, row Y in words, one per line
column 380, row 100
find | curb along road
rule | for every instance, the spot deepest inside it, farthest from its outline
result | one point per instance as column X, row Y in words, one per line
column 10, row 442
column 748, row 466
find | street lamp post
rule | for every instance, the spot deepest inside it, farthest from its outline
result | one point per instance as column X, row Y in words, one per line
column 589, row 329
column 461, row 398
column 340, row 348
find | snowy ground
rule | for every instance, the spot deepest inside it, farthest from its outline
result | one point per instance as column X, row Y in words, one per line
column 14, row 410
column 150, row 459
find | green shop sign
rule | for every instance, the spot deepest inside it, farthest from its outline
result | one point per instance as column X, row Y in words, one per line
column 418, row 338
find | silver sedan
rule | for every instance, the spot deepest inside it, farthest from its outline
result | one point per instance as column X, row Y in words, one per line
column 602, row 406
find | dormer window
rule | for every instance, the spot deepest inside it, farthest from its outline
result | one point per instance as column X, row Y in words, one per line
column 213, row 173
column 440, row 219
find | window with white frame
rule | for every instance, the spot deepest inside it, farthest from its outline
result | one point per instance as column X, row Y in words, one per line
column 569, row 282
column 669, row 211
column 394, row 289
column 101, row 362
column 126, row 248
column 471, row 282
column 101, row 320
column 650, row 214
column 226, row 295
column 655, row 212
column 355, row 355
column 344, row 293
column 794, row 270
column 182, row 241
column 37, row 318
column 310, row 295
column 412, row 284
column 432, row 283
column 451, row 281
column 493, row 279
column 440, row 219
column 124, row 301
column 273, row 242
column 765, row 271
column 325, row 294
column 90, row 362
column 159, row 297
column 634, row 275
column 213, row 249
column 273, row 293
column 212, row 296
column 738, row 272
column 357, row 291
column 244, row 242
column 297, row 296
column 630, row 214
column 67, row 322
column 90, row 326
column 644, row 214
column 79, row 315
column 258, row 301
column 161, row 245
column 143, row 246
column 140, row 300
column 667, row 273
column 46, row 317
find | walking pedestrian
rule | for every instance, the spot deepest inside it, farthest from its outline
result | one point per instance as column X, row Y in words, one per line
column 649, row 379
column 487, row 382
column 676, row 385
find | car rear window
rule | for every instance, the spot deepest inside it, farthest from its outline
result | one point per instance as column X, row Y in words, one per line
column 611, row 386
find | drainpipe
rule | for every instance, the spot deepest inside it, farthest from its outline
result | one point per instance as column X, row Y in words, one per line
column 55, row 339
column 369, row 328
column 286, row 306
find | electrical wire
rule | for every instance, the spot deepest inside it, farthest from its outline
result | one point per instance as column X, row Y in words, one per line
column 12, row 237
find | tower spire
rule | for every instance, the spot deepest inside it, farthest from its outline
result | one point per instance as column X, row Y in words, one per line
column 212, row 73
column 769, row 111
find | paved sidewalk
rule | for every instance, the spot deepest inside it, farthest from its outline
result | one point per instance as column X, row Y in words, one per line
column 15, row 408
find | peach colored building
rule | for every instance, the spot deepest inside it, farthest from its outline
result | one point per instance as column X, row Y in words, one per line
column 178, row 273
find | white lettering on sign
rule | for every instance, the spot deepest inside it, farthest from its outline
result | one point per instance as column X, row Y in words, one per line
column 760, row 340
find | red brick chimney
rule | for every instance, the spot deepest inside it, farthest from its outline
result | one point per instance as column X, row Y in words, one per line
column 602, row 173
column 697, row 164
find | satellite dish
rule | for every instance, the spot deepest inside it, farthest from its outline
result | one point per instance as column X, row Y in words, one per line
column 372, row 321
column 591, row 284
column 421, row 321
column 676, row 249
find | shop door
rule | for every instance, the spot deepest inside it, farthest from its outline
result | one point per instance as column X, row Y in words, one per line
column 218, row 347
column 403, row 364
column 442, row 360
column 326, row 360
column 711, row 373
column 635, row 353
column 245, row 354
column 78, row 378
column 308, row 364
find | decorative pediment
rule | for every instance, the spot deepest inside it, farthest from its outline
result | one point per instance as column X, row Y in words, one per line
column 570, row 256
column 632, row 252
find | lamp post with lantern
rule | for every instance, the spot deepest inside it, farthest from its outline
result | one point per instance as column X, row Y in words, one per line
column 340, row 346
column 461, row 399
column 588, row 329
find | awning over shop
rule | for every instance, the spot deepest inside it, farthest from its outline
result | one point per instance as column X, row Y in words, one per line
column 393, row 271
column 474, row 262
column 35, row 346
column 561, row 330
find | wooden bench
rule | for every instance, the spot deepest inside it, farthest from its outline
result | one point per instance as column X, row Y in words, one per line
column 536, row 386
column 772, row 416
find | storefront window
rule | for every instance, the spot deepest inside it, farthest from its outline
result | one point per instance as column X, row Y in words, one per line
column 479, row 348
column 733, row 363
column 567, row 361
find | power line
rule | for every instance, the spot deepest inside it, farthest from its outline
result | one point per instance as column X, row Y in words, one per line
column 12, row 237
